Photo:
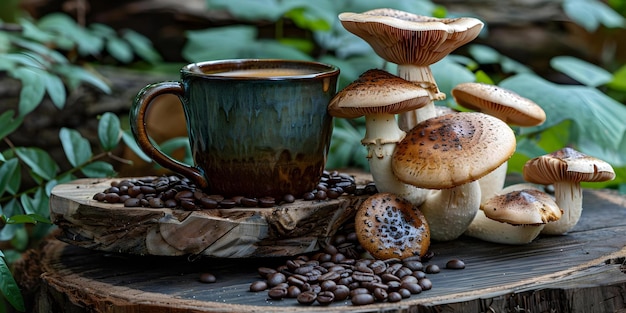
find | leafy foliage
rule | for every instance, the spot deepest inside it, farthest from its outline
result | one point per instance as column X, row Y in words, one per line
column 42, row 55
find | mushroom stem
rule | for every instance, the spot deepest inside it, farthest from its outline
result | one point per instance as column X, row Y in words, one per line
column 490, row 230
column 569, row 197
column 381, row 135
column 450, row 211
column 493, row 182
column 422, row 76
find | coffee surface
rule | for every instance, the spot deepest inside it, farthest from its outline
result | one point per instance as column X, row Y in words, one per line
column 267, row 72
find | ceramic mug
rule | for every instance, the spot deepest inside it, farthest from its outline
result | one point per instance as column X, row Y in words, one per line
column 257, row 127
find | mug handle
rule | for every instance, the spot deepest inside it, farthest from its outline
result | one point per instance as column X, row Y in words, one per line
column 138, row 110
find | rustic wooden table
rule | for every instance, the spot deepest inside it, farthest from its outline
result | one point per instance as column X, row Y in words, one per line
column 584, row 271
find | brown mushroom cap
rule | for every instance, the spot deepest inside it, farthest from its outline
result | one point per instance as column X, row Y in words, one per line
column 377, row 91
column 522, row 207
column 452, row 149
column 404, row 38
column 567, row 164
column 499, row 102
column 391, row 227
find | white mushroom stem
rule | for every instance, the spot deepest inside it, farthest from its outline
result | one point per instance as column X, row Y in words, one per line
column 423, row 76
column 381, row 135
column 569, row 197
column 450, row 211
column 493, row 182
column 490, row 230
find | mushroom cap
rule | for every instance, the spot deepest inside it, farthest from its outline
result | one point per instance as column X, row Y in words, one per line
column 567, row 164
column 404, row 38
column 522, row 207
column 388, row 226
column 375, row 92
column 499, row 102
column 453, row 149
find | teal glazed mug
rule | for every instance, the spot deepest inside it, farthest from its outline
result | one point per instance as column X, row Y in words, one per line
column 257, row 127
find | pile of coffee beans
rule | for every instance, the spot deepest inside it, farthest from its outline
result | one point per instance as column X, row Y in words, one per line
column 338, row 274
column 180, row 193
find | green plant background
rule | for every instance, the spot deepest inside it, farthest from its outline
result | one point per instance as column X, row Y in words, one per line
column 54, row 55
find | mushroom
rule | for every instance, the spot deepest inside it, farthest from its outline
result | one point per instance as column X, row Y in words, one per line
column 388, row 226
column 566, row 169
column 449, row 153
column 515, row 216
column 504, row 104
column 379, row 95
column 413, row 42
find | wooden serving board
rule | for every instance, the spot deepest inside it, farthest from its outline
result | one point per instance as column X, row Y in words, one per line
column 283, row 230
column 584, row 271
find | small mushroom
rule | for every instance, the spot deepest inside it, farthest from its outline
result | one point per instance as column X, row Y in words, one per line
column 504, row 104
column 379, row 95
column 566, row 169
column 449, row 153
column 388, row 226
column 515, row 216
column 413, row 42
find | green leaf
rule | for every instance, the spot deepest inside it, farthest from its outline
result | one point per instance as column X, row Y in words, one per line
column 39, row 161
column 590, row 14
column 142, row 46
column 77, row 148
column 76, row 75
column 9, row 287
column 27, row 218
column 582, row 71
column 130, row 142
column 98, row 169
column 64, row 25
column 619, row 79
column 33, row 89
column 38, row 204
column 119, row 49
column 109, row 131
column 40, row 49
column 10, row 176
column 487, row 55
column 55, row 88
column 9, row 123
column 596, row 118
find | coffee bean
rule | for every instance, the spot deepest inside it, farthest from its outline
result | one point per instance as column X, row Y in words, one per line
column 132, row 202
column 156, row 203
column 413, row 288
column 277, row 293
column 405, row 293
column 328, row 285
column 394, row 297
column 325, row 297
column 455, row 264
column 207, row 278
column 258, row 285
column 111, row 198
column 341, row 292
column 380, row 294
column 249, row 202
column 293, row 292
column 228, row 203
column 362, row 299
column 432, row 269
column 425, row 283
column 307, row 297
column 413, row 265
column 289, row 198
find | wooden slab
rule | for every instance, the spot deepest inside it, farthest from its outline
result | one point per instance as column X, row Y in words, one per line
column 287, row 229
column 583, row 271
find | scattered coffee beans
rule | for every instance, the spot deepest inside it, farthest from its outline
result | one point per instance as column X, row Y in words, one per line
column 337, row 273
column 178, row 192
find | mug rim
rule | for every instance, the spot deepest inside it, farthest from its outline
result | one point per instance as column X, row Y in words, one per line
column 321, row 69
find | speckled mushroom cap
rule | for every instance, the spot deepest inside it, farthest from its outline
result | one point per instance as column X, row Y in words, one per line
column 388, row 226
column 453, row 149
column 522, row 207
column 567, row 164
column 499, row 102
column 404, row 38
column 377, row 91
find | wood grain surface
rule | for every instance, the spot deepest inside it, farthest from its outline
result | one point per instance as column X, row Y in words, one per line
column 583, row 271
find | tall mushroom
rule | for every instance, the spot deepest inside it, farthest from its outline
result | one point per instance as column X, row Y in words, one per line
column 449, row 153
column 566, row 169
column 516, row 215
column 413, row 42
column 379, row 95
column 504, row 104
